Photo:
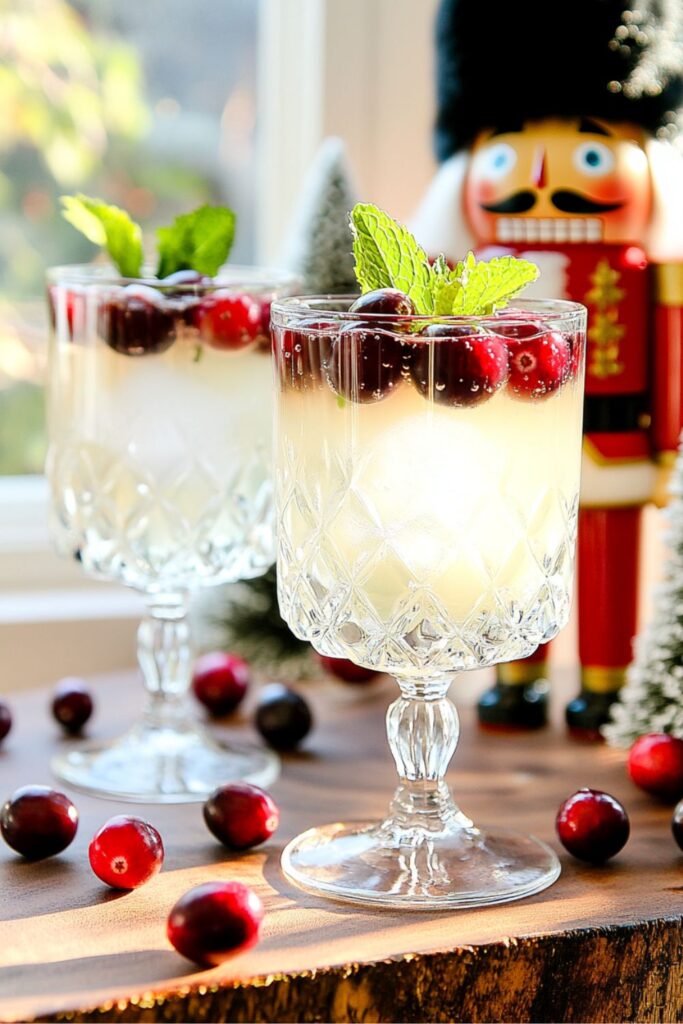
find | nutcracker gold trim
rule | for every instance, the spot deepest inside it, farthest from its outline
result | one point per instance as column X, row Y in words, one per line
column 667, row 459
column 596, row 456
column 520, row 673
column 605, row 332
column 602, row 678
column 669, row 284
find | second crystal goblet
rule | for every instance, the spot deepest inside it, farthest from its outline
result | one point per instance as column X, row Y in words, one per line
column 427, row 478
column 159, row 405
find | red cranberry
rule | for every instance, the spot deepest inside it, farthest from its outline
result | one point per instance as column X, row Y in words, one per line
column 677, row 824
column 283, row 717
column 519, row 327
column 214, row 921
column 72, row 705
column 241, row 816
column 136, row 322
column 384, row 300
column 74, row 304
column 184, row 289
column 365, row 363
column 592, row 825
column 126, row 852
column 467, row 368
column 38, row 822
column 229, row 321
column 187, row 279
column 220, row 681
column 265, row 317
column 655, row 763
column 342, row 668
column 302, row 352
column 5, row 720
column 538, row 365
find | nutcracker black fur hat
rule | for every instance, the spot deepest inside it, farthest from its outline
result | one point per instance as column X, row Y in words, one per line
column 501, row 62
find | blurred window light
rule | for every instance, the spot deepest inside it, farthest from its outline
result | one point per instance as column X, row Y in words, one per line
column 110, row 100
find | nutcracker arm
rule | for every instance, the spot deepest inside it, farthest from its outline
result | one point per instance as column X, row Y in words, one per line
column 667, row 369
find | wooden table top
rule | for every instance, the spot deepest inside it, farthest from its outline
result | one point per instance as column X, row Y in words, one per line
column 72, row 949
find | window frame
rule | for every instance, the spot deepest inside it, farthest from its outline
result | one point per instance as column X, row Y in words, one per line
column 305, row 93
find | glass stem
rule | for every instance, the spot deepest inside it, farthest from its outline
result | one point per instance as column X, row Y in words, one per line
column 165, row 657
column 423, row 730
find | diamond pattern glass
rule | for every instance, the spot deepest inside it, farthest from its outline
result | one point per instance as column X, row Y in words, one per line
column 426, row 525
column 159, row 469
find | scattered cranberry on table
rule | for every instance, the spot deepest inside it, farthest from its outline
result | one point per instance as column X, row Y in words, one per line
column 215, row 921
column 72, row 704
column 677, row 823
column 5, row 720
column 38, row 822
column 655, row 763
column 347, row 671
column 126, row 852
column 220, row 681
column 282, row 717
column 240, row 815
column 592, row 825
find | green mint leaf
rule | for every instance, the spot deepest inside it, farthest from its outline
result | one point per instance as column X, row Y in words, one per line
column 488, row 285
column 388, row 256
column 446, row 286
column 109, row 227
column 199, row 241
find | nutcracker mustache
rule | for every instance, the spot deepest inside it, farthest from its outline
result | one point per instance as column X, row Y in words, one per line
column 574, row 202
column 519, row 202
column 563, row 199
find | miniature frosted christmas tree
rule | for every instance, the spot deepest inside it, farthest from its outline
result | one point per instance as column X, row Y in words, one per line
column 319, row 248
column 652, row 699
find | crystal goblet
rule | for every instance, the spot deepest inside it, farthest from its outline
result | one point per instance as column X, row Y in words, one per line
column 427, row 477
column 159, row 413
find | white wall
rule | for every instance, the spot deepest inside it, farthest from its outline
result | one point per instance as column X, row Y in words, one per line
column 359, row 69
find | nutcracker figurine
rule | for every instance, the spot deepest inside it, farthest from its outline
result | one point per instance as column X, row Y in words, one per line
column 558, row 130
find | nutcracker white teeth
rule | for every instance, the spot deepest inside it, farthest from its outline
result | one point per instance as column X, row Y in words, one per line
column 547, row 229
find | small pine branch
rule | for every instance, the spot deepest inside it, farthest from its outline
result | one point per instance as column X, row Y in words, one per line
column 246, row 620
column 652, row 699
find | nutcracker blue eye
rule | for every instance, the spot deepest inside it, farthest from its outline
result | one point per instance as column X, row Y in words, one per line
column 593, row 158
column 497, row 161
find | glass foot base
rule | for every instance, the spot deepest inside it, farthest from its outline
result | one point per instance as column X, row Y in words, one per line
column 156, row 764
column 382, row 866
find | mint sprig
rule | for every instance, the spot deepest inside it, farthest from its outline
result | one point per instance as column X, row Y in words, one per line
column 199, row 241
column 388, row 256
column 109, row 227
column 446, row 286
column 489, row 284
